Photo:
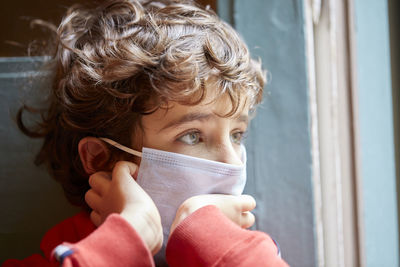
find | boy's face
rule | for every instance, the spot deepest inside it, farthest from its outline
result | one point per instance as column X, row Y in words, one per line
column 197, row 130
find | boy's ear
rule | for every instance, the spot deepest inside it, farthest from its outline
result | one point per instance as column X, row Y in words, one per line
column 94, row 154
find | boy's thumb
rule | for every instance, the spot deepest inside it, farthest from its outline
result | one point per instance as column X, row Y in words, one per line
column 125, row 170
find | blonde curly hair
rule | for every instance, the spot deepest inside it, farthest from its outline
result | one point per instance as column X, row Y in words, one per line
column 120, row 60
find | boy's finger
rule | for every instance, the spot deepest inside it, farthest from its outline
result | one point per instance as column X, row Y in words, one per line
column 124, row 172
column 100, row 182
column 247, row 219
column 93, row 199
column 106, row 175
column 124, row 168
column 247, row 202
column 95, row 218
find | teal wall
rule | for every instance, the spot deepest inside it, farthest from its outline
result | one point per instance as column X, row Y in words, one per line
column 376, row 133
column 279, row 143
column 30, row 201
column 279, row 153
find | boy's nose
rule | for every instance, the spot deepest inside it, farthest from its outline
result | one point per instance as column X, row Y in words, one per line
column 227, row 154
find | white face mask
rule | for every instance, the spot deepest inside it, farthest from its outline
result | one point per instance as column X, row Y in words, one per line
column 171, row 178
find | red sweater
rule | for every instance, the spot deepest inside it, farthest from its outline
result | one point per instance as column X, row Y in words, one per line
column 205, row 238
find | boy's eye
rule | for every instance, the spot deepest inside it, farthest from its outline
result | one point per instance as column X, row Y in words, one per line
column 237, row 137
column 191, row 138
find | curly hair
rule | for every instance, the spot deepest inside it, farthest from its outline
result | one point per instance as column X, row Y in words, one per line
column 118, row 61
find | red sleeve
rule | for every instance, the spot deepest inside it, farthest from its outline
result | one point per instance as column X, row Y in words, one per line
column 35, row 260
column 208, row 238
column 71, row 230
column 114, row 243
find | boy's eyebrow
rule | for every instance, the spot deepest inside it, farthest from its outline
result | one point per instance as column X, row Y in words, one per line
column 188, row 117
column 243, row 118
column 199, row 117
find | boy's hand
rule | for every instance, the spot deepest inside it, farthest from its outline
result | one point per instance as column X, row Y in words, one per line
column 236, row 208
column 118, row 192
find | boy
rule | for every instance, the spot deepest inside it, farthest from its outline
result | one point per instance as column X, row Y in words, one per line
column 149, row 104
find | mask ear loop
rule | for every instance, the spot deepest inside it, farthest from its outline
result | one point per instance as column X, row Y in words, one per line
column 123, row 148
